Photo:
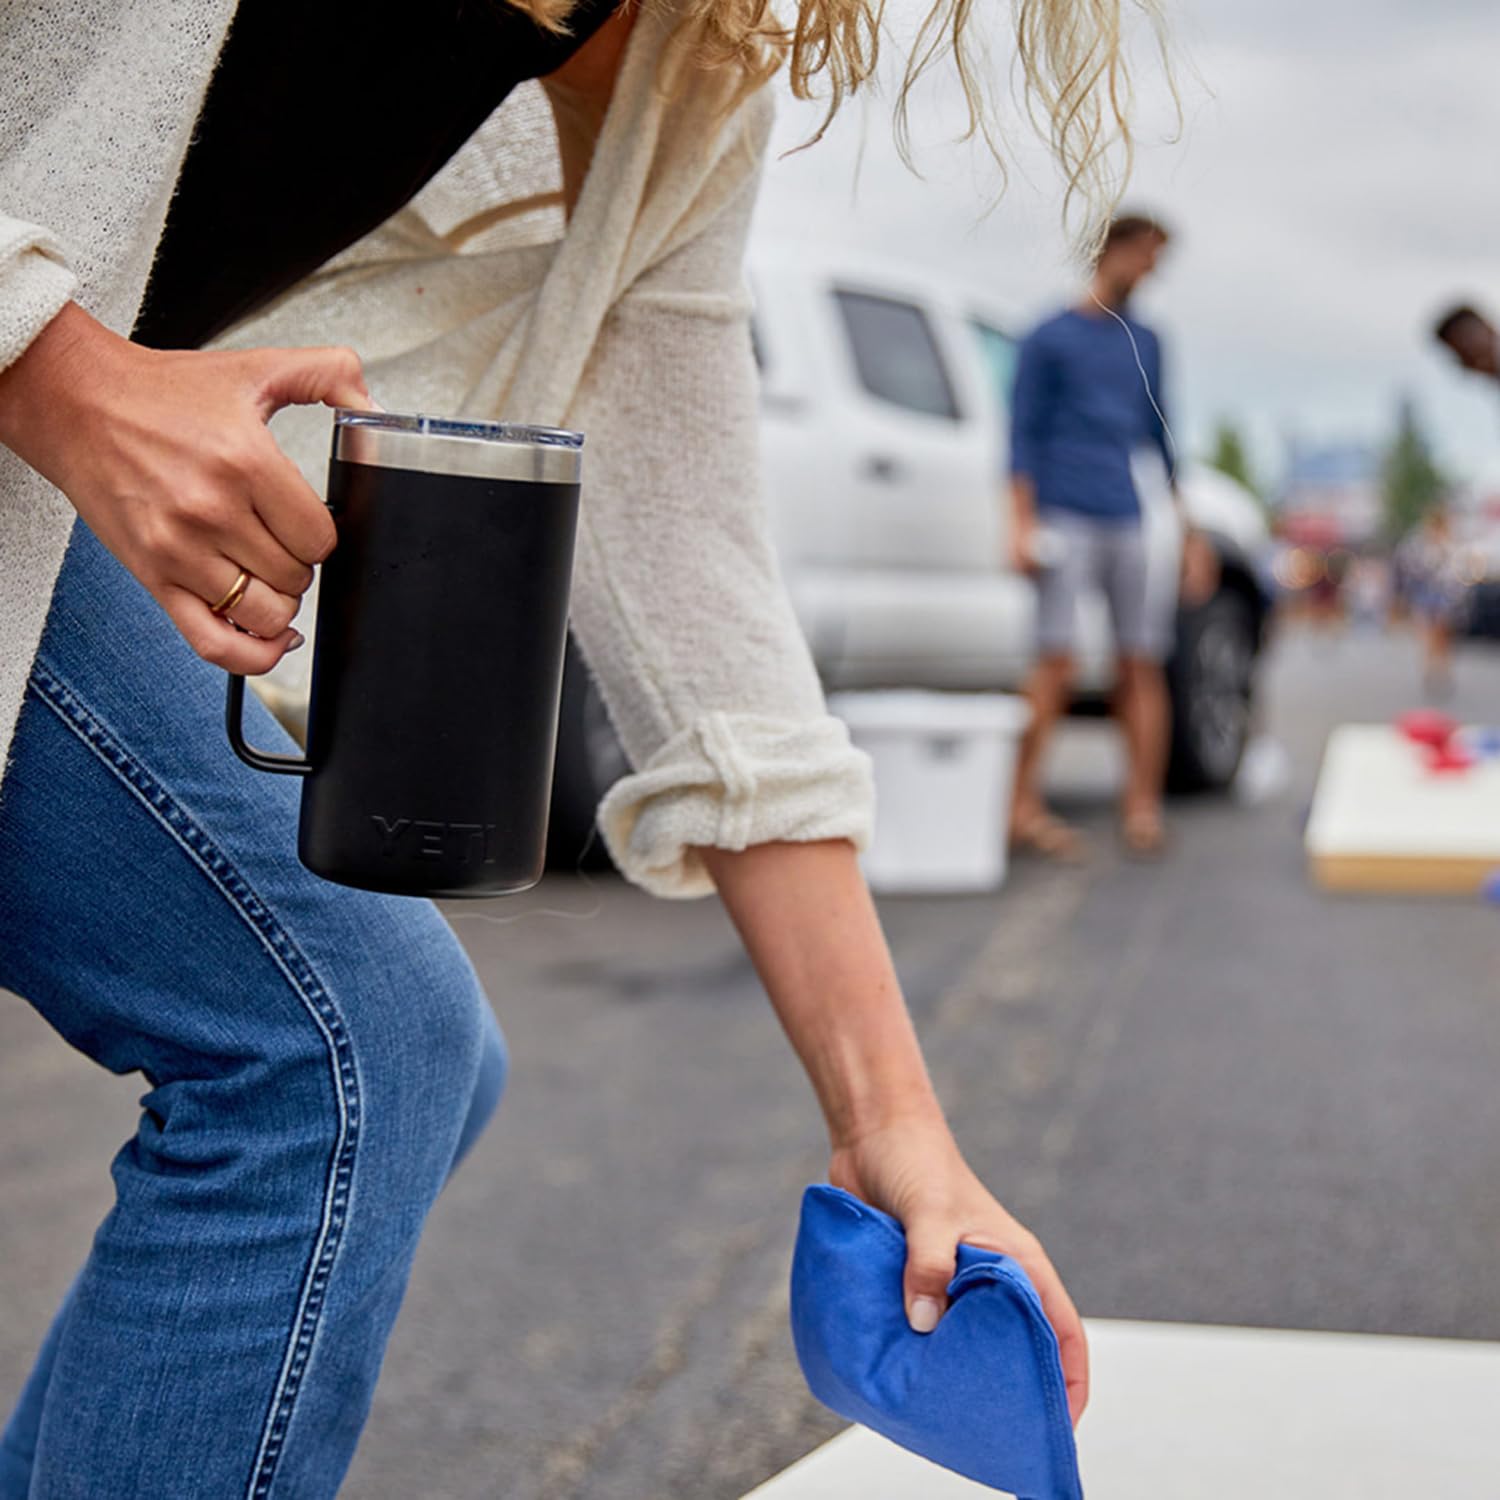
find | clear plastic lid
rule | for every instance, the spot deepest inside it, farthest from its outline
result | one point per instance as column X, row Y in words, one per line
column 456, row 445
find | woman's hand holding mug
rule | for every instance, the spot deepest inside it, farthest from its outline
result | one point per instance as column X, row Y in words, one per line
column 167, row 457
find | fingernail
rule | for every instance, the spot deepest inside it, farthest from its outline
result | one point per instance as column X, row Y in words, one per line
column 374, row 405
column 924, row 1314
column 298, row 642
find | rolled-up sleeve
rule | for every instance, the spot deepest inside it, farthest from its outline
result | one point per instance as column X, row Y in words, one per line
column 35, row 284
column 679, row 604
column 728, row 781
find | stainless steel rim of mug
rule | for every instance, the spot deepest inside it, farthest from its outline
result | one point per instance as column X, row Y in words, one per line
column 476, row 450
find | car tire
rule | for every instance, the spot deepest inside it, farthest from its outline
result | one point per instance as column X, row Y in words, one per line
column 1211, row 679
column 589, row 761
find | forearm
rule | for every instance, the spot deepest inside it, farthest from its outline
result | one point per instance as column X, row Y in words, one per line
column 1021, row 538
column 811, row 929
column 809, row 924
column 1023, row 499
column 35, row 389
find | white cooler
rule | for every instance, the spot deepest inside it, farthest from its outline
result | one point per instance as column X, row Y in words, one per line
column 945, row 767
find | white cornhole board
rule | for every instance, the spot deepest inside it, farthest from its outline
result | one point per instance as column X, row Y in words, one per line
column 1182, row 1412
column 1381, row 821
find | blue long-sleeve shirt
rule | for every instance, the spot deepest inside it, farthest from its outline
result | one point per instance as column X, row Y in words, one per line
column 1079, row 410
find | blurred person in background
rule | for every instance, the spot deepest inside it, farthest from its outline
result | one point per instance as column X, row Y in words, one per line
column 1431, row 565
column 320, row 1059
column 1087, row 399
column 1471, row 338
column 1369, row 590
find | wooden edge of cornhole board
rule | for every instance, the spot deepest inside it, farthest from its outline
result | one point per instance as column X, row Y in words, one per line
column 1382, row 822
column 1373, row 872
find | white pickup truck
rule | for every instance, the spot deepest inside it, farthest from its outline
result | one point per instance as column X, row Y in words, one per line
column 884, row 396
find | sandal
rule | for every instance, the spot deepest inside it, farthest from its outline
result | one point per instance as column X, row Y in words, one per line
column 1144, row 834
column 1041, row 833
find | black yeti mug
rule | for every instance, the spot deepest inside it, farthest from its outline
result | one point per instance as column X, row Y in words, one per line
column 437, row 663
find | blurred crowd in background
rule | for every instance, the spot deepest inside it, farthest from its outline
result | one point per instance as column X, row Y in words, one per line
column 1376, row 536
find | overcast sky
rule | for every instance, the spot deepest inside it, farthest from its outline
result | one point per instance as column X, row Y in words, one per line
column 1335, row 183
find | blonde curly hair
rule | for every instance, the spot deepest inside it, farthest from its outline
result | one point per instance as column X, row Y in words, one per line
column 1075, row 78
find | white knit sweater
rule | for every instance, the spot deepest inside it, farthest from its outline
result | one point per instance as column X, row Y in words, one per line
column 97, row 102
column 631, row 326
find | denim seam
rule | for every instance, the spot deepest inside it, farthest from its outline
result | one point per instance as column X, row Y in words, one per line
column 303, row 980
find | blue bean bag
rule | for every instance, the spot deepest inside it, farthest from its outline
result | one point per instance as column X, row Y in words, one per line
column 983, row 1394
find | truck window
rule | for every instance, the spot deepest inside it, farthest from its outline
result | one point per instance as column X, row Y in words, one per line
column 896, row 355
column 999, row 352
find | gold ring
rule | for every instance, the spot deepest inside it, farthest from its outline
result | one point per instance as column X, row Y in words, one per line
column 236, row 592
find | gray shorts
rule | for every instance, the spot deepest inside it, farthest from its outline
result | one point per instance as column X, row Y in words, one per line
column 1112, row 557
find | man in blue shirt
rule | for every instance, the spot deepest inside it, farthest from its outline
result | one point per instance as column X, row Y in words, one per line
column 1087, row 398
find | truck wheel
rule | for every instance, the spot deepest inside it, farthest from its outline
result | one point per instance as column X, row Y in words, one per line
column 1210, row 680
column 589, row 761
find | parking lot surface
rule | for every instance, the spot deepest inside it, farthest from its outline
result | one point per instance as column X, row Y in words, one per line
column 1219, row 1096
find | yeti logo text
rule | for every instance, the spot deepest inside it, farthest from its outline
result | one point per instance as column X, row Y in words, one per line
column 414, row 838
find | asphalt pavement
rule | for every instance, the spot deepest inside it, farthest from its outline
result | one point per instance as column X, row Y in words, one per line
column 1218, row 1095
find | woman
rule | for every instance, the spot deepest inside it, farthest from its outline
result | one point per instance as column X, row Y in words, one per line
column 320, row 1059
column 1437, row 594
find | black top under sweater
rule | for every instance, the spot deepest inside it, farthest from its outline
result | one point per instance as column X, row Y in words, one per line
column 322, row 119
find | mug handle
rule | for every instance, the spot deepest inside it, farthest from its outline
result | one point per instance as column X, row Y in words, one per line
column 261, row 760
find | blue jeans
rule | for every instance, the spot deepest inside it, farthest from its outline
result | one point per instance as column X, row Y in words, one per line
column 318, row 1060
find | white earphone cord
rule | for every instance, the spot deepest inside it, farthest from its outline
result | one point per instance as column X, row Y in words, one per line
column 1135, row 349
